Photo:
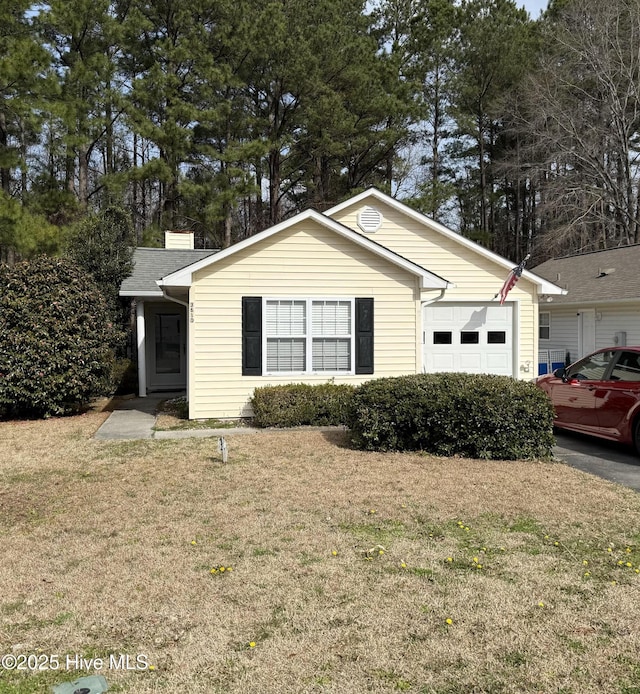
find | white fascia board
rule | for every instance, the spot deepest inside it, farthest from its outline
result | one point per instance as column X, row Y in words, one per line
column 428, row 280
column 544, row 287
column 143, row 295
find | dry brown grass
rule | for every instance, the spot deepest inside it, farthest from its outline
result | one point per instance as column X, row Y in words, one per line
column 97, row 558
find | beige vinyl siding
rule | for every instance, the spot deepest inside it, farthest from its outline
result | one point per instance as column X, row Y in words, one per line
column 305, row 261
column 476, row 277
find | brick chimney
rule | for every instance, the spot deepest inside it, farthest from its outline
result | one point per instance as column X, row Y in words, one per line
column 182, row 238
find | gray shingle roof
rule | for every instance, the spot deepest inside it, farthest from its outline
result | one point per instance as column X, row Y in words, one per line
column 151, row 264
column 600, row 276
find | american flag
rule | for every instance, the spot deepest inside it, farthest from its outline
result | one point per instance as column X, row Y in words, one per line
column 513, row 276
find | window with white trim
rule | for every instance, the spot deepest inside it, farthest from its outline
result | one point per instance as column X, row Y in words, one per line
column 544, row 326
column 309, row 335
column 286, row 329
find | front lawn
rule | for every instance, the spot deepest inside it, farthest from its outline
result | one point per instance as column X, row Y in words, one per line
column 344, row 571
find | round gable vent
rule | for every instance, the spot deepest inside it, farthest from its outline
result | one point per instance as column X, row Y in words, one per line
column 369, row 220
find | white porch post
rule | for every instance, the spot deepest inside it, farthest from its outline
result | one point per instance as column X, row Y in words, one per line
column 142, row 350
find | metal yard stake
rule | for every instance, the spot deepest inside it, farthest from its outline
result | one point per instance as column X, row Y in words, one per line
column 222, row 447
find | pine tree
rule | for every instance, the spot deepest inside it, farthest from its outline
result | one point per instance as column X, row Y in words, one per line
column 495, row 46
column 83, row 35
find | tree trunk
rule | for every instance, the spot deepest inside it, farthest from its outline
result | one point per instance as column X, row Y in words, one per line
column 5, row 173
column 484, row 227
column 109, row 168
column 434, row 210
column 257, row 222
column 23, row 169
column 228, row 225
column 274, row 186
column 83, row 175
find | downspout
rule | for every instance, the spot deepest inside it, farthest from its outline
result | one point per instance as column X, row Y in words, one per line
column 426, row 302
column 172, row 298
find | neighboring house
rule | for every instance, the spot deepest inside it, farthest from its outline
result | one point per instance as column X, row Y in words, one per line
column 602, row 304
column 370, row 288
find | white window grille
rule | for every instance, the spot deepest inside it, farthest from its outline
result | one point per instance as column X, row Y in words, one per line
column 286, row 329
column 544, row 326
column 309, row 335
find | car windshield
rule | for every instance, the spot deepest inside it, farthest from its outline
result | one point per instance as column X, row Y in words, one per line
column 592, row 368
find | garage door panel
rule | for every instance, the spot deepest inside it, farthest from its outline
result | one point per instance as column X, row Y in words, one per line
column 443, row 362
column 499, row 363
column 468, row 337
column 472, row 320
column 470, row 362
column 497, row 314
column 446, row 315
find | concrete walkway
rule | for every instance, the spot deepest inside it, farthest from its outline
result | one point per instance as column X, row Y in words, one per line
column 134, row 419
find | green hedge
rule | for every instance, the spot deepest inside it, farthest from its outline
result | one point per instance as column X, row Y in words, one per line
column 476, row 416
column 56, row 334
column 299, row 404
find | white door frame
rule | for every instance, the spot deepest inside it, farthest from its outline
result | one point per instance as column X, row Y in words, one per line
column 174, row 380
column 586, row 331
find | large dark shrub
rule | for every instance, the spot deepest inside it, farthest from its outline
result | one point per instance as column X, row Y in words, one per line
column 55, row 337
column 299, row 404
column 477, row 416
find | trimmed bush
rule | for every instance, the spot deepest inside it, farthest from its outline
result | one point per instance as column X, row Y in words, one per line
column 55, row 337
column 299, row 404
column 476, row 416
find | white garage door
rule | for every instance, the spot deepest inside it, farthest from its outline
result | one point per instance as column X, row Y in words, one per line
column 472, row 338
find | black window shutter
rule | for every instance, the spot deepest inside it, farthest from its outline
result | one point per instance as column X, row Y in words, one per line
column 252, row 336
column 364, row 336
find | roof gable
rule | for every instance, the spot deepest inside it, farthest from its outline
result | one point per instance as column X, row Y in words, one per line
column 374, row 195
column 600, row 276
column 184, row 277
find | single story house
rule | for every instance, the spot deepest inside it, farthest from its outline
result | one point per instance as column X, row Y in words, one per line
column 601, row 307
column 370, row 288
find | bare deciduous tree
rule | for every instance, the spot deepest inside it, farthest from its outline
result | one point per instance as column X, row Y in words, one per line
column 581, row 120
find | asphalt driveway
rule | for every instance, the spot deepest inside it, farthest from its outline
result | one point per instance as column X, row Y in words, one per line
column 602, row 458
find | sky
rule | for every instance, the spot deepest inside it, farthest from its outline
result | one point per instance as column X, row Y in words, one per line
column 534, row 7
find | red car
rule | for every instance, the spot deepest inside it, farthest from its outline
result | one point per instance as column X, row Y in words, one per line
column 599, row 395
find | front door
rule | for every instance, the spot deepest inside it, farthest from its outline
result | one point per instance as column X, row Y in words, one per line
column 166, row 347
